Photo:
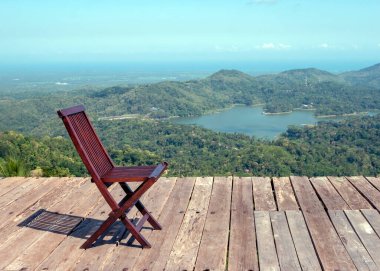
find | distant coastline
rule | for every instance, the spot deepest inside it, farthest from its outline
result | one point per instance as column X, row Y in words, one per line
column 343, row 115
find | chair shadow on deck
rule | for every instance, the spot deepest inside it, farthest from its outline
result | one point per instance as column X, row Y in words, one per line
column 79, row 227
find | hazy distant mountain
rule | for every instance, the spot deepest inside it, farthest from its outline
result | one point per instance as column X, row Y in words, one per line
column 310, row 88
column 368, row 76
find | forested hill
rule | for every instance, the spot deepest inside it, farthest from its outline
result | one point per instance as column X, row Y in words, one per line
column 367, row 76
column 351, row 147
column 325, row 92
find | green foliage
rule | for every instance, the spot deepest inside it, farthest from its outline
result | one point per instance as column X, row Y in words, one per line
column 11, row 166
column 347, row 148
column 325, row 92
column 351, row 147
column 368, row 76
column 55, row 156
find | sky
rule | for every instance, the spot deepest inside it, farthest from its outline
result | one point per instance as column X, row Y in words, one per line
column 189, row 30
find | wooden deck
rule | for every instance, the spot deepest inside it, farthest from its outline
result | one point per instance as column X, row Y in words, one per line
column 221, row 223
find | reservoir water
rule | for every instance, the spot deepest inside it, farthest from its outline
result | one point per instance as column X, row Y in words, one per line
column 251, row 121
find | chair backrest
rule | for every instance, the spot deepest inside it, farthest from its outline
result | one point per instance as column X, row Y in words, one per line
column 86, row 141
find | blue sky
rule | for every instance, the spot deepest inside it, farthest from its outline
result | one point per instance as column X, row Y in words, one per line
column 189, row 30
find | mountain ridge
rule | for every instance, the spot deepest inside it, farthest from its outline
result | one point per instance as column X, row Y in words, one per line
column 326, row 93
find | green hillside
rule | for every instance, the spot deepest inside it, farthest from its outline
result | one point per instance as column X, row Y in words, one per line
column 325, row 92
column 351, row 147
column 368, row 76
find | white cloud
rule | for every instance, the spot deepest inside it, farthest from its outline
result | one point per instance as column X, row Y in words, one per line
column 269, row 45
column 284, row 46
column 273, row 46
column 324, row 45
column 329, row 46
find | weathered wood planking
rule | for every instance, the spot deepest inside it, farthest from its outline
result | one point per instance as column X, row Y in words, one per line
column 373, row 218
column 102, row 249
column 171, row 218
column 285, row 197
column 351, row 241
column 10, row 212
column 330, row 249
column 242, row 246
column 374, row 181
column 367, row 189
column 70, row 246
column 185, row 247
column 305, row 250
column 32, row 255
column 31, row 249
column 330, row 197
column 11, row 228
column 266, row 248
column 22, row 189
column 98, row 253
column 27, row 236
column 286, row 252
column 212, row 254
column 127, row 253
column 10, row 183
column 263, row 194
column 349, row 193
column 366, row 234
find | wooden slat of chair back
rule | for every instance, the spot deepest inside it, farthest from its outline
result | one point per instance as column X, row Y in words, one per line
column 87, row 143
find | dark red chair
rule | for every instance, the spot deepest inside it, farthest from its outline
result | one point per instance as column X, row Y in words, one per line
column 104, row 174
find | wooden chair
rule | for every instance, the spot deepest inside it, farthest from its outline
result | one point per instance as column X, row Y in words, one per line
column 104, row 174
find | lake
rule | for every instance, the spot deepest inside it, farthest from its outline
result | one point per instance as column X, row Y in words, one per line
column 251, row 121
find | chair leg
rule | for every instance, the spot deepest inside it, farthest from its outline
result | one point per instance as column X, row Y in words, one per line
column 106, row 224
column 135, row 233
column 142, row 208
column 151, row 219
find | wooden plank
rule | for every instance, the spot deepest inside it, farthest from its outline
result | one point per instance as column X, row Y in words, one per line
column 185, row 248
column 330, row 197
column 375, row 181
column 266, row 249
column 32, row 256
column 171, row 219
column 367, row 190
column 242, row 253
column 329, row 247
column 70, row 246
column 285, row 198
column 366, row 234
column 23, row 188
column 212, row 253
column 263, row 194
column 351, row 241
column 305, row 250
column 17, row 207
column 373, row 218
column 98, row 252
column 349, row 193
column 50, row 199
column 286, row 252
column 126, row 254
column 27, row 236
column 10, row 183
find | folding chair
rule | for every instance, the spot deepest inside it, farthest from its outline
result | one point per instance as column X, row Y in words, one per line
column 104, row 174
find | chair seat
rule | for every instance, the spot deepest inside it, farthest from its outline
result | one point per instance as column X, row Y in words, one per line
column 130, row 174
